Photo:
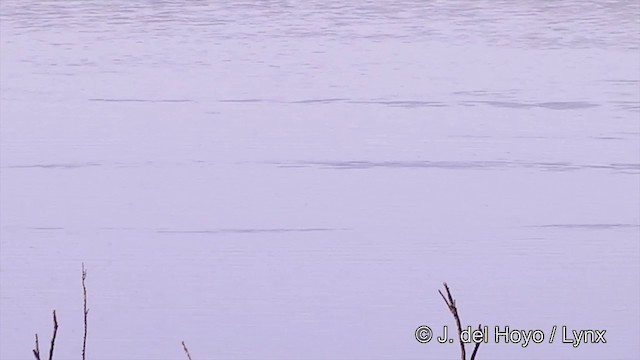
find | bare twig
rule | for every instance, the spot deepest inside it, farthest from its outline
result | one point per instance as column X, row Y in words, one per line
column 186, row 351
column 477, row 346
column 36, row 351
column 53, row 338
column 86, row 312
column 451, row 304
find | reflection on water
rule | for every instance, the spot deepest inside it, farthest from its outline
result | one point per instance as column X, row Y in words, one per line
column 188, row 154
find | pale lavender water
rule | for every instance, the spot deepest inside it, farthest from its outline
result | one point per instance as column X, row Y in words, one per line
column 294, row 180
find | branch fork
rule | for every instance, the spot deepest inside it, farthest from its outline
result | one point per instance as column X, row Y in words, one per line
column 451, row 304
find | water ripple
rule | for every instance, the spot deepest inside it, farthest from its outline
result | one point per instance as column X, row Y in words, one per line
column 54, row 166
column 590, row 226
column 416, row 103
column 555, row 105
column 245, row 231
column 143, row 100
column 460, row 165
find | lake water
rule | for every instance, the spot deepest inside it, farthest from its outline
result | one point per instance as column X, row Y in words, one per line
column 296, row 179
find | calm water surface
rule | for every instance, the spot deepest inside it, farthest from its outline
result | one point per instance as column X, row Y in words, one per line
column 295, row 179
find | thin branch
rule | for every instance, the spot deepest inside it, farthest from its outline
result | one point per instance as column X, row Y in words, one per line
column 53, row 338
column 451, row 304
column 186, row 351
column 86, row 312
column 36, row 351
column 477, row 346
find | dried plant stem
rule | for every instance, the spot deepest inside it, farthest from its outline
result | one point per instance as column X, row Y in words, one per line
column 477, row 346
column 53, row 338
column 36, row 351
column 451, row 304
column 86, row 312
column 186, row 351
